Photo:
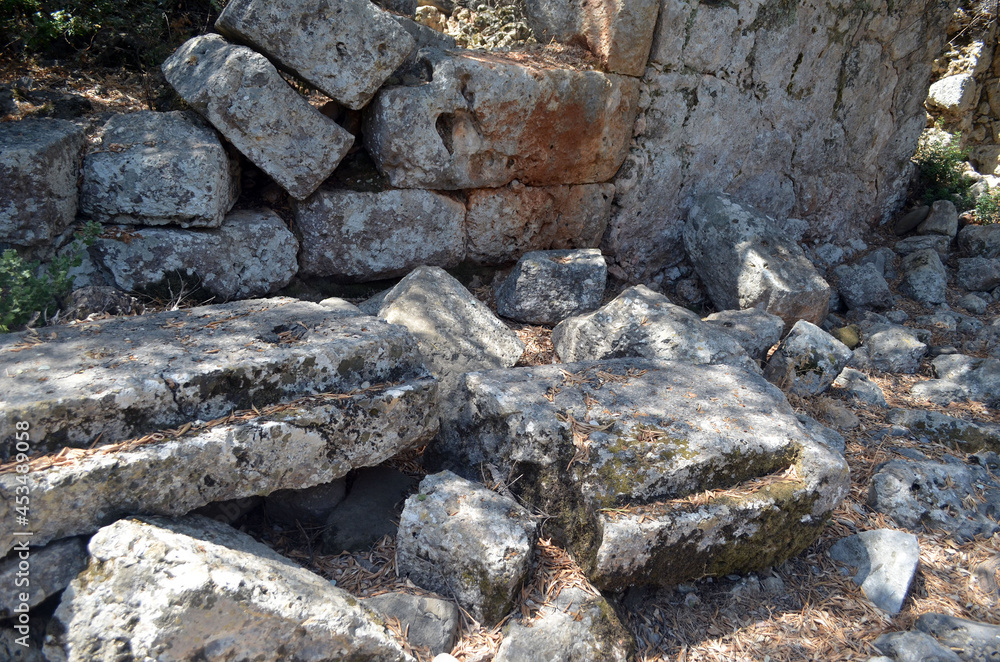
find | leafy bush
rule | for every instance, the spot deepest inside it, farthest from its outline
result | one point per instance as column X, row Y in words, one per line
column 29, row 292
column 941, row 166
column 988, row 206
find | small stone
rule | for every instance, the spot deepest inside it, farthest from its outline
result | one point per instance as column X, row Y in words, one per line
column 970, row 639
column 924, row 277
column 755, row 330
column 774, row 585
column 914, row 647
column 911, row 219
column 973, row 304
column 807, row 361
column 429, row 622
column 546, row 287
column 883, row 259
column 886, row 561
column 942, row 220
column 859, row 387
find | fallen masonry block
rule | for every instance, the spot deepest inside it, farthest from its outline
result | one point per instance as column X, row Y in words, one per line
column 485, row 120
column 106, row 381
column 652, row 472
column 297, row 444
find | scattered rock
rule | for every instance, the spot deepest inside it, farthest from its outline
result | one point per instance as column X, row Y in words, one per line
column 935, row 242
column 826, row 436
column 969, row 639
column 837, row 415
column 862, row 286
column 369, row 512
column 51, row 569
column 942, row 220
column 755, row 330
column 430, row 623
column 807, row 361
column 310, row 506
column 978, row 379
column 973, row 303
column 951, row 432
column 884, row 260
column 859, row 387
column 886, row 561
column 895, row 349
column 953, row 95
column 910, row 220
column 978, row 274
column 924, row 277
column 546, row 287
column 914, row 647
column 980, row 240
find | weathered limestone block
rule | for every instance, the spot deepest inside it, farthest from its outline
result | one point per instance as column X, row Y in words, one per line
column 862, row 286
column 942, row 220
column 546, row 287
column 619, row 33
column 980, row 240
column 365, row 236
column 346, row 48
column 245, row 98
column 485, row 120
column 896, row 349
column 612, row 451
column 456, row 536
column 886, row 561
column 430, row 622
column 157, row 169
column 924, row 277
column 39, row 166
column 936, row 242
column 51, row 569
column 298, row 444
column 504, row 223
column 197, row 589
column 746, row 261
column 953, row 95
column 807, row 361
column 114, row 379
column 755, row 330
column 252, row 254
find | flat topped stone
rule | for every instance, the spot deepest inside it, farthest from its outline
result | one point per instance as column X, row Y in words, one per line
column 119, row 378
column 616, row 452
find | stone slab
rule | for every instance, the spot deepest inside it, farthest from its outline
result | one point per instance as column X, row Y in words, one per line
column 886, row 561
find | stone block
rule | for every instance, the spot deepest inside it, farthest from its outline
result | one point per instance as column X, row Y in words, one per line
column 546, row 287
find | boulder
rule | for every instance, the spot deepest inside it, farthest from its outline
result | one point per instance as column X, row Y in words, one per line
column 914, row 647
column 911, row 219
column 197, row 589
column 310, row 506
column 546, row 287
column 970, row 639
column 924, row 277
column 746, row 261
column 196, row 179
column 978, row 274
column 948, row 431
column 941, row 244
column 125, row 377
column 49, row 570
column 859, row 387
column 980, row 240
column 884, row 260
column 460, row 538
column 942, row 220
column 978, row 379
column 641, row 323
column 953, row 95
column 430, row 623
column 346, row 48
column 974, row 304
column 807, row 361
column 39, row 167
column 895, row 349
column 486, row 119
column 755, row 330
column 886, row 561
column 504, row 223
column 251, row 254
column 862, row 286
column 243, row 96
column 369, row 512
column 356, row 235
column 642, row 482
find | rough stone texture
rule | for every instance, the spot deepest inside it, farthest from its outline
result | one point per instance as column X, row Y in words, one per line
column 746, row 261
column 12, row 650
column 755, row 330
column 826, row 436
column 430, row 623
column 293, row 445
column 977, row 379
column 810, row 111
column 197, row 589
column 969, row 639
column 914, row 647
column 895, row 349
column 458, row 537
column 346, row 48
column 157, row 169
column 863, row 286
column 252, row 254
column 924, row 277
column 953, row 95
column 310, row 506
column 807, row 361
column 619, row 33
column 51, row 570
column 485, row 120
column 610, row 450
column 942, row 220
column 859, row 387
column 884, row 259
column 366, row 236
column 911, row 219
column 641, row 323
column 574, row 626
column 251, row 105
column 886, row 561
column 39, row 166
column 973, row 304
column 546, row 287
column 504, row 223
column 978, row 274
column 936, row 242
column 119, row 378
column 369, row 512
column 980, row 240
column 951, row 432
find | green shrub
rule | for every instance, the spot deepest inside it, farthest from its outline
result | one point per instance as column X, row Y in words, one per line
column 29, row 292
column 988, row 206
column 941, row 166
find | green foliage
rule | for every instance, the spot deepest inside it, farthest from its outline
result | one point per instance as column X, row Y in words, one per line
column 988, row 207
column 28, row 291
column 941, row 165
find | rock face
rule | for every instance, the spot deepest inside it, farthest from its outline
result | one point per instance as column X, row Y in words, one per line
column 242, row 95
column 642, row 323
column 195, row 184
column 39, row 166
column 546, row 287
column 444, row 546
column 252, row 254
column 365, row 236
column 617, row 452
column 828, row 99
column 807, row 361
column 198, row 589
column 484, row 121
column 346, row 48
column 746, row 261
column 886, row 561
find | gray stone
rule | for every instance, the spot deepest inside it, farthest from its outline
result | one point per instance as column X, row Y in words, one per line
column 430, row 623
column 369, row 512
column 196, row 180
column 574, row 626
column 39, row 167
column 973, row 303
column 896, row 316
column 546, row 287
column 924, row 277
column 641, row 323
column 951, row 432
column 978, row 378
column 485, row 121
column 969, row 639
column 942, row 220
column 101, row 299
column 750, row 264
column 914, row 647
column 310, row 506
column 120, row 378
column 936, row 242
column 978, row 274
column 18, row 647
column 346, row 48
column 755, row 330
column 942, row 321
column 807, row 361
column 459, row 538
column 884, row 260
column 611, row 451
column 886, row 561
column 194, row 588
column 836, row 414
column 50, row 570
column 251, row 254
column 504, row 223
column 938, row 391
column 980, row 240
column 862, row 286
column 242, row 95
column 911, row 219
column 953, row 95
column 858, row 386
column 895, row 349
column 826, row 436
column 366, row 236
